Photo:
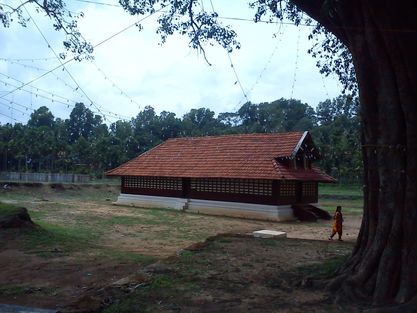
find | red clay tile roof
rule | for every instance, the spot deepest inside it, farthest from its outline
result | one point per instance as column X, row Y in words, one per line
column 250, row 156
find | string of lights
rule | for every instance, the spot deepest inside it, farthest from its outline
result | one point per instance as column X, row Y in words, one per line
column 26, row 60
column 106, row 77
column 68, row 103
column 231, row 18
column 63, row 66
column 296, row 65
column 39, row 69
column 52, row 99
column 128, row 27
column 71, row 59
column 100, row 3
column 54, row 95
column 246, row 94
column 212, row 6
column 238, row 81
column 237, row 78
column 279, row 37
column 35, row 79
column 32, row 92
column 11, row 117
column 242, row 19
column 12, row 108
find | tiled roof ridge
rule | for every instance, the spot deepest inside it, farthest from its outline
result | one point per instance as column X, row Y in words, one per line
column 243, row 156
column 236, row 135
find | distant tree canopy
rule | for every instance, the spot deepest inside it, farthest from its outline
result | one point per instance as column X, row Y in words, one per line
column 83, row 143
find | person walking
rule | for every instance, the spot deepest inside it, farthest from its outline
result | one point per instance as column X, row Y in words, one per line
column 337, row 223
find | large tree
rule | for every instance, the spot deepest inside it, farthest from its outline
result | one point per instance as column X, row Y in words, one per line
column 381, row 36
column 377, row 41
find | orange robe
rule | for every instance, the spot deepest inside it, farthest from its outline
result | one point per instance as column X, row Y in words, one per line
column 337, row 224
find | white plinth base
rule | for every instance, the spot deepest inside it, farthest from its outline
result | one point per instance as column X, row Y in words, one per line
column 265, row 233
column 222, row 208
column 243, row 210
column 143, row 201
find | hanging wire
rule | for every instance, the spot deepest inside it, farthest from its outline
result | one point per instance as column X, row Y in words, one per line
column 33, row 87
column 12, row 108
column 237, row 78
column 26, row 60
column 73, row 58
column 11, row 117
column 279, row 36
column 39, row 69
column 37, row 94
column 53, row 98
column 63, row 66
column 295, row 65
column 238, row 81
column 100, row 3
column 106, row 77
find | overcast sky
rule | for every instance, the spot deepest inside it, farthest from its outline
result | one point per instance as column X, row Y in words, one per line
column 132, row 70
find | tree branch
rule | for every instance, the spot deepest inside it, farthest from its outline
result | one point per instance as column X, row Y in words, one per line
column 17, row 8
column 194, row 25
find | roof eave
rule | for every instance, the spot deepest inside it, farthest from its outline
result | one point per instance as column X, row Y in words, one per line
column 297, row 147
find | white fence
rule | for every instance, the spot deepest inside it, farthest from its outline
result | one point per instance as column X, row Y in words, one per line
column 44, row 177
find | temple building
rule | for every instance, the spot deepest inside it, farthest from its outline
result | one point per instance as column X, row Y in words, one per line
column 261, row 176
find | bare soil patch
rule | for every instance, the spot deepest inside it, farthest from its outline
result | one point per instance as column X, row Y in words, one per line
column 237, row 273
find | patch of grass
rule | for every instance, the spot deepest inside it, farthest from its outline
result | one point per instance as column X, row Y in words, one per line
column 225, row 240
column 348, row 206
column 163, row 281
column 266, row 242
column 12, row 290
column 186, row 255
column 189, row 262
column 130, row 256
column 37, row 215
column 164, row 216
column 50, row 239
column 340, row 190
column 323, row 270
column 163, row 287
column 170, row 286
column 134, row 303
column 127, row 221
column 8, row 209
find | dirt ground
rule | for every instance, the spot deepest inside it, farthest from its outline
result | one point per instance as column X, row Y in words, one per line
column 230, row 274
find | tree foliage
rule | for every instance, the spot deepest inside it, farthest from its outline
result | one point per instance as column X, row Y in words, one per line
column 338, row 137
column 63, row 20
column 83, row 143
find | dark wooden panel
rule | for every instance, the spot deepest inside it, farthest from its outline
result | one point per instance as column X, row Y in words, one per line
column 187, row 192
column 309, row 192
column 216, row 196
column 153, row 192
column 186, row 187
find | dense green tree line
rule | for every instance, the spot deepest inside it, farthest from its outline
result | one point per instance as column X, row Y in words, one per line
column 83, row 143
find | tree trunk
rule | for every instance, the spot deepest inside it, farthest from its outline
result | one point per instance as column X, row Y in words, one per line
column 383, row 264
column 382, row 38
